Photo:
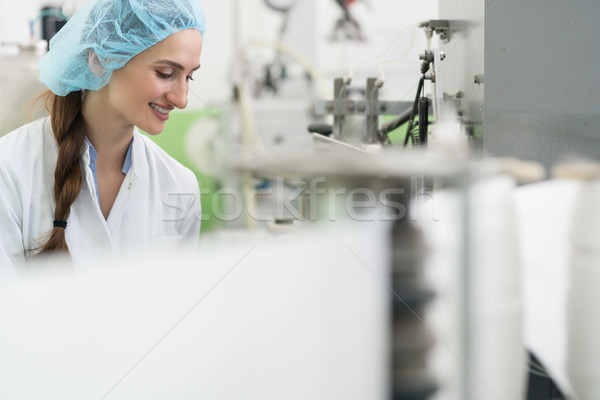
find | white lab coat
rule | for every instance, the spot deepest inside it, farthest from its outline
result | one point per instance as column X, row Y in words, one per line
column 157, row 207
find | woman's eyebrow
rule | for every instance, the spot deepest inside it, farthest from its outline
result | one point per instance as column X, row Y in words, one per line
column 175, row 65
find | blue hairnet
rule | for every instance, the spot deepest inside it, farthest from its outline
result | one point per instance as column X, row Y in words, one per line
column 116, row 30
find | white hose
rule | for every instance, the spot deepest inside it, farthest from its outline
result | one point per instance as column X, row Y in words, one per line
column 390, row 47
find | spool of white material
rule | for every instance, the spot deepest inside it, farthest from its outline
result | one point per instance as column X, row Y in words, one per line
column 583, row 299
column 495, row 358
column 498, row 354
column 544, row 215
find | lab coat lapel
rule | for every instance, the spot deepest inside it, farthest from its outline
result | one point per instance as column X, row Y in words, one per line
column 131, row 181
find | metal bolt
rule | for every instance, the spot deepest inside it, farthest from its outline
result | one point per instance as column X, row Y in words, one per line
column 478, row 79
column 351, row 106
column 329, row 107
column 361, row 107
column 382, row 108
column 442, row 55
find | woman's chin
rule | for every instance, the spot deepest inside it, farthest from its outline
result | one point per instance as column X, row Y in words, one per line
column 152, row 130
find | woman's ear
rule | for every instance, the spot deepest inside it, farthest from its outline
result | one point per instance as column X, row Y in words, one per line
column 95, row 64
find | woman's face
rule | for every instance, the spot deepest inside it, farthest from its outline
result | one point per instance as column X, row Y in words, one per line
column 156, row 81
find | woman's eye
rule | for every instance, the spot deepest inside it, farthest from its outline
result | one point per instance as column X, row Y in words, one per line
column 190, row 78
column 163, row 75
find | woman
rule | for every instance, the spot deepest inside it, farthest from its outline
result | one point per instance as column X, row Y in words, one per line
column 84, row 181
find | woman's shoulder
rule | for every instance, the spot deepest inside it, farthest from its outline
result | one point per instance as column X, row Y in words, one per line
column 27, row 159
column 26, row 142
column 24, row 136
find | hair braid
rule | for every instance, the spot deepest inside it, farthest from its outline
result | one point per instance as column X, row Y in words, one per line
column 67, row 125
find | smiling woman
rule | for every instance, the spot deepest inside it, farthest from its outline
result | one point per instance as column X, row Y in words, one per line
column 150, row 85
column 84, row 181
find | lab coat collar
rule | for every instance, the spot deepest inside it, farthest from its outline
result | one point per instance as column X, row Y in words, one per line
column 139, row 163
column 94, row 156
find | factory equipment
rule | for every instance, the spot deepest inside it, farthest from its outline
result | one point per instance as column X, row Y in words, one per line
column 411, row 338
column 53, row 20
column 371, row 107
column 342, row 107
column 346, row 27
column 19, row 72
column 385, row 189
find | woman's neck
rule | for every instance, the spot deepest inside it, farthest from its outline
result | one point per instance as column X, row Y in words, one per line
column 106, row 129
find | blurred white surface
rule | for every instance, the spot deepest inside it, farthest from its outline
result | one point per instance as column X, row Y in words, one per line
column 305, row 315
column 296, row 317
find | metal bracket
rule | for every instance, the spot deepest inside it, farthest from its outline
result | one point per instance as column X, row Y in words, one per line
column 348, row 107
column 434, row 58
column 439, row 26
column 371, row 108
column 438, row 87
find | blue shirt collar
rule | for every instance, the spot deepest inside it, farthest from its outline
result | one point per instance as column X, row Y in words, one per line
column 94, row 157
column 127, row 163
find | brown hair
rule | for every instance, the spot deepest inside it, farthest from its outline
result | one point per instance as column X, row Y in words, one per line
column 68, row 127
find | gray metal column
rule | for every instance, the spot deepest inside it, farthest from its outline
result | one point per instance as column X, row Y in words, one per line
column 542, row 88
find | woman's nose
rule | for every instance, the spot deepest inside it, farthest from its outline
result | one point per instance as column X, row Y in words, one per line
column 178, row 94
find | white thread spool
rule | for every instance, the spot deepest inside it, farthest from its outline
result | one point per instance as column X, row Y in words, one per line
column 583, row 298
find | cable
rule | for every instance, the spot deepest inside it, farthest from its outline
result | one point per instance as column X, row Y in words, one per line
column 396, row 123
column 390, row 47
column 382, row 55
column 406, row 54
column 414, row 110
